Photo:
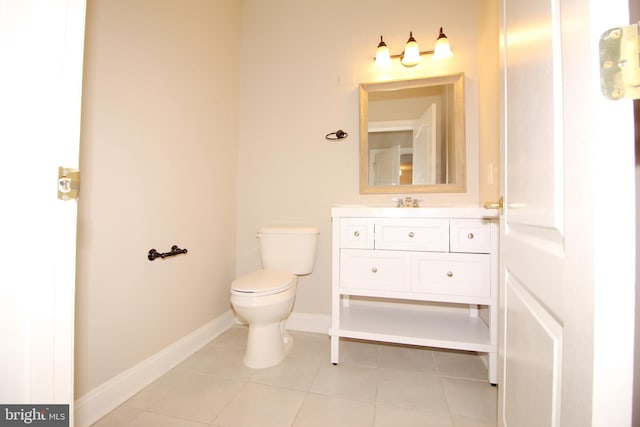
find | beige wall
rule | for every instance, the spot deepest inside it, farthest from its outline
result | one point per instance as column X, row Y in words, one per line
column 489, row 95
column 301, row 65
column 158, row 160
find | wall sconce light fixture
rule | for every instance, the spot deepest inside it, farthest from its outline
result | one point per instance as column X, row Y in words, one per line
column 412, row 54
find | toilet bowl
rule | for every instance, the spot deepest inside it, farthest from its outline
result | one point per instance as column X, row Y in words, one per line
column 264, row 298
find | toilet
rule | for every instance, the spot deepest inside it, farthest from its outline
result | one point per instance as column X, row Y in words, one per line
column 265, row 297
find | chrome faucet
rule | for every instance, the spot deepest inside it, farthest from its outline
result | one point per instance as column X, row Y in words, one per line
column 407, row 202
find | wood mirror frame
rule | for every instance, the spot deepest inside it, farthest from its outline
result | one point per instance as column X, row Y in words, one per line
column 448, row 173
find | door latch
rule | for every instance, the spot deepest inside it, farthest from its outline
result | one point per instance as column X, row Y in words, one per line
column 620, row 62
column 68, row 183
column 495, row 205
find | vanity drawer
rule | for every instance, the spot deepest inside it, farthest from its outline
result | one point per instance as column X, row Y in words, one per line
column 356, row 233
column 412, row 234
column 451, row 274
column 471, row 236
column 379, row 270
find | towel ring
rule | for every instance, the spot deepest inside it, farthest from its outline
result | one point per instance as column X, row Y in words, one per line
column 337, row 135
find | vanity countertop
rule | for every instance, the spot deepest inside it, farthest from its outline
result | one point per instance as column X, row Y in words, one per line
column 423, row 212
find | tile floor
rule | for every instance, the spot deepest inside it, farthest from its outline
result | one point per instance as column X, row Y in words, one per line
column 375, row 385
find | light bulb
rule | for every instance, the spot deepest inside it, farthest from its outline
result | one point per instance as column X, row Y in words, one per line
column 442, row 48
column 411, row 56
column 383, row 57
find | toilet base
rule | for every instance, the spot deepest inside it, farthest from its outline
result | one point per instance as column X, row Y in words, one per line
column 267, row 345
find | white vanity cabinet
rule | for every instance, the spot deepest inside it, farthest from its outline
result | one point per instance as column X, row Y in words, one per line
column 400, row 258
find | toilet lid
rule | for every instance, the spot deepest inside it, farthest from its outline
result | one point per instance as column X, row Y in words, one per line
column 264, row 282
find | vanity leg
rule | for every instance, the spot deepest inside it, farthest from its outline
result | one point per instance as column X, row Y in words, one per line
column 335, row 347
column 493, row 368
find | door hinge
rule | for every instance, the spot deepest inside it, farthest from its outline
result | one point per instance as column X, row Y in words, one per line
column 68, row 183
column 620, row 62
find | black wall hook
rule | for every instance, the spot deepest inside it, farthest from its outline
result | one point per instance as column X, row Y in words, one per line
column 334, row 136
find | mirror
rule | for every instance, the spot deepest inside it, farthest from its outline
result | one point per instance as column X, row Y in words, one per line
column 412, row 136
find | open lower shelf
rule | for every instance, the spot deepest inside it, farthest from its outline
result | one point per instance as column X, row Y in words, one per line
column 401, row 325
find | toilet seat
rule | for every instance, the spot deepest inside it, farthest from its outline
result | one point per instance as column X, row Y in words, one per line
column 263, row 282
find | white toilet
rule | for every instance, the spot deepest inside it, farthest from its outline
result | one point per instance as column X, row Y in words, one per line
column 265, row 297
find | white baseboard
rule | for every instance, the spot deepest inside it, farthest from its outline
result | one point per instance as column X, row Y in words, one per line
column 308, row 322
column 112, row 393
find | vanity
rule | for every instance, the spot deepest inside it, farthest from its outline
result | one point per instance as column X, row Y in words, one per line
column 418, row 276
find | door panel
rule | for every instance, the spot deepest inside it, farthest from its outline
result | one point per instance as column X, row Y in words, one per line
column 533, row 361
column 535, row 172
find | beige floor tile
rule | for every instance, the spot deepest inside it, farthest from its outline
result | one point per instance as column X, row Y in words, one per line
column 222, row 362
column 407, row 357
column 472, row 399
column 131, row 417
column 295, row 373
column 325, row 411
column 461, row 364
column 235, row 337
column 355, row 352
column 158, row 390
column 411, row 389
column 347, row 381
column 374, row 385
column 460, row 421
column 197, row 397
column 393, row 416
column 310, row 346
column 260, row 405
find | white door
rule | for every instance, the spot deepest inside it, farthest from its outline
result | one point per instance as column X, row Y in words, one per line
column 568, row 228
column 386, row 166
column 425, row 155
column 41, row 48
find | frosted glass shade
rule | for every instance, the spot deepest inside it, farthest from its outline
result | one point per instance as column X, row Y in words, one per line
column 383, row 57
column 442, row 48
column 411, row 54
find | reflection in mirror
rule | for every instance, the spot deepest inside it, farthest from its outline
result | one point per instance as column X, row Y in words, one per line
column 412, row 136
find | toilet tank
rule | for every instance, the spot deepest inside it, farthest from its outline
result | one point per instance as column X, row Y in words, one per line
column 291, row 249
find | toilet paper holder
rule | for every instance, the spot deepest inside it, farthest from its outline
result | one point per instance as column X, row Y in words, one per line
column 175, row 250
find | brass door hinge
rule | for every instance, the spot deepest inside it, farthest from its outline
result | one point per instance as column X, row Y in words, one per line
column 620, row 62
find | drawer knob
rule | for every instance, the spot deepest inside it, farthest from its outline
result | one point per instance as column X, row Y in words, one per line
column 356, row 233
column 449, row 273
column 411, row 234
column 374, row 269
column 470, row 236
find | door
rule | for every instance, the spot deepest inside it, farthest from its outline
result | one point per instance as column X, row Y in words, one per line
column 568, row 225
column 41, row 48
column 386, row 166
column 425, row 155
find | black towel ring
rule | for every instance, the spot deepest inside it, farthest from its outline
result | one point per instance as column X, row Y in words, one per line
column 334, row 136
